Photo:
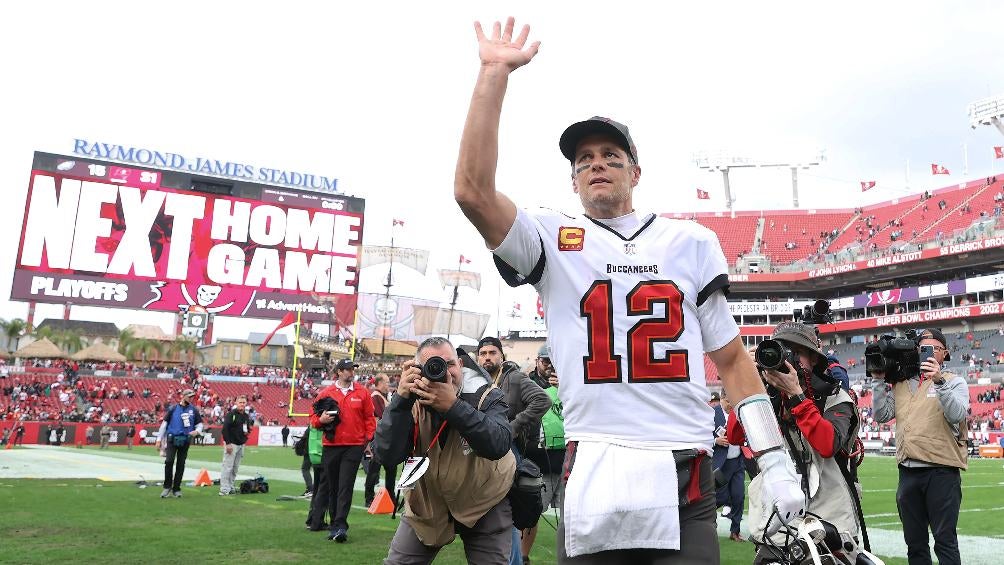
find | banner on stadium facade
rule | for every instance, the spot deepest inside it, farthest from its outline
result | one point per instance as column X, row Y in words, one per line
column 134, row 238
column 765, row 308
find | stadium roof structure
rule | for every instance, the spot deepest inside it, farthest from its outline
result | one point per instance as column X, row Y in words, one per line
column 148, row 331
column 255, row 338
column 84, row 327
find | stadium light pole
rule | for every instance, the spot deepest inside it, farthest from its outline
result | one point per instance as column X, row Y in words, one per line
column 986, row 112
column 724, row 163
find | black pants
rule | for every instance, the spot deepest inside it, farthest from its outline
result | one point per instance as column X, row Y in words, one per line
column 319, row 503
column 179, row 454
column 930, row 496
column 305, row 471
column 341, row 462
column 373, row 477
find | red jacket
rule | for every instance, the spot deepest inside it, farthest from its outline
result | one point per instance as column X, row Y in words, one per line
column 356, row 425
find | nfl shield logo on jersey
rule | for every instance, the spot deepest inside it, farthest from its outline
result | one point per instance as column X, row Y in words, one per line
column 630, row 249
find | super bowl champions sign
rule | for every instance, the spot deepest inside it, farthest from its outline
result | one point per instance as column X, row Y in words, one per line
column 103, row 234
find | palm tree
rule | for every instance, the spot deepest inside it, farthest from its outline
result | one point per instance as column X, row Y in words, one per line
column 126, row 337
column 68, row 340
column 45, row 333
column 13, row 329
column 143, row 349
column 186, row 348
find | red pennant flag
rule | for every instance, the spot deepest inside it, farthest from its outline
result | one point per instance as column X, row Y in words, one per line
column 999, row 152
column 703, row 195
column 286, row 320
column 464, row 260
column 937, row 169
column 397, row 222
column 866, row 184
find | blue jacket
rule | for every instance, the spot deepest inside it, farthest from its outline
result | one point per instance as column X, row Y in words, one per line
column 182, row 420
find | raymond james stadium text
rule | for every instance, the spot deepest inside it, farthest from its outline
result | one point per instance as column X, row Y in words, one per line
column 204, row 166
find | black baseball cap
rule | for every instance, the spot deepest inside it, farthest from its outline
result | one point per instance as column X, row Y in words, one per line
column 596, row 125
column 489, row 340
column 345, row 364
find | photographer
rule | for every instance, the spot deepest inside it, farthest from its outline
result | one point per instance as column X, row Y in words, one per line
column 819, row 423
column 182, row 422
column 344, row 412
column 930, row 409
column 459, row 426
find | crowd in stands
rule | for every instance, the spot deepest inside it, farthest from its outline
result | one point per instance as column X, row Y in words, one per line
column 53, row 390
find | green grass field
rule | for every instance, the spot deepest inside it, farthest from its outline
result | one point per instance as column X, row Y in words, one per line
column 88, row 520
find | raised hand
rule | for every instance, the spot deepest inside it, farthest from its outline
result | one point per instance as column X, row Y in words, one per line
column 502, row 49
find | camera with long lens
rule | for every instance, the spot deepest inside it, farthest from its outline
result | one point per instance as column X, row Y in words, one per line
column 435, row 369
column 895, row 356
column 816, row 313
column 771, row 354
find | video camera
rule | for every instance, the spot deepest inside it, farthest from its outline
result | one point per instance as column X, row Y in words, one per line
column 897, row 357
column 816, row 313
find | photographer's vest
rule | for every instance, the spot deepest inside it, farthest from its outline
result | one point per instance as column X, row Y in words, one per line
column 458, row 483
column 829, row 497
column 922, row 432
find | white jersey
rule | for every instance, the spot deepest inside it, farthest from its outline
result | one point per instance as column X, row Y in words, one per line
column 631, row 305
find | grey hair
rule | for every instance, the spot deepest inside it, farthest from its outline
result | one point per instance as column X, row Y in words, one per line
column 432, row 342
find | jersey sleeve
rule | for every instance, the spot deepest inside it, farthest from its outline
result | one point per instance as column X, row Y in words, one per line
column 718, row 327
column 714, row 270
column 520, row 257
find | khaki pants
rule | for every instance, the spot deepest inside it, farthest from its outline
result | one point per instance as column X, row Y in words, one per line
column 231, row 462
column 489, row 542
column 104, row 441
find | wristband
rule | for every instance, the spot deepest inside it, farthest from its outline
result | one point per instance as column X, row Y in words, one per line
column 792, row 401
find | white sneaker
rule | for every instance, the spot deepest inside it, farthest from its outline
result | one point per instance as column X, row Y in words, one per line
column 165, row 493
column 224, row 493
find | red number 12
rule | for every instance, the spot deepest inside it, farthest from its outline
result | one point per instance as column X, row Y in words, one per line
column 602, row 366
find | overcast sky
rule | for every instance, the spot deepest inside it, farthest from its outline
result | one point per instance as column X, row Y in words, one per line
column 376, row 94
